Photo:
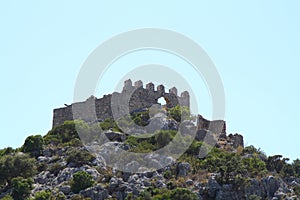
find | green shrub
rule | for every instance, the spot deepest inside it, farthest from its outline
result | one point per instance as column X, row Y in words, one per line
column 229, row 165
column 60, row 196
column 254, row 166
column 163, row 137
column 74, row 143
column 7, row 197
column 43, row 195
column 12, row 166
column 41, row 166
column 296, row 166
column 33, row 145
column 153, row 142
column 81, row 180
column 183, row 193
column 79, row 157
column 109, row 124
column 168, row 174
column 179, row 113
column 6, row 151
column 21, row 187
column 55, row 168
column 297, row 190
column 251, row 150
column 64, row 133
column 195, row 147
column 141, row 118
column 276, row 163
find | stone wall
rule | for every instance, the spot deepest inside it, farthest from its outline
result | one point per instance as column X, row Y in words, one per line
column 133, row 97
column 215, row 126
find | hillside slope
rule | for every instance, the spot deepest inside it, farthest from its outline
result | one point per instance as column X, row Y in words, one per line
column 59, row 166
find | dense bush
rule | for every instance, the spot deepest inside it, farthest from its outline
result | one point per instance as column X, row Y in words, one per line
column 12, row 166
column 254, row 166
column 33, row 145
column 6, row 151
column 79, row 157
column 194, row 148
column 251, row 150
column 81, row 180
column 151, row 143
column 163, row 138
column 276, row 163
column 55, row 168
column 44, row 195
column 280, row 165
column 63, row 133
column 183, row 193
column 231, row 167
column 21, row 187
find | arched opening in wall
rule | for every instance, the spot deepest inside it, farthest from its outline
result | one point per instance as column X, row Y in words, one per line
column 162, row 101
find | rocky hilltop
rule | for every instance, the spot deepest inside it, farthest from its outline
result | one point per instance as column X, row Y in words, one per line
column 64, row 164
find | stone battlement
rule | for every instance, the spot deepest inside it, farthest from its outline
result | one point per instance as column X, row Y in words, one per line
column 135, row 95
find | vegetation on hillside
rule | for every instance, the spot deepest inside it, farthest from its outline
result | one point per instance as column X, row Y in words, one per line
column 19, row 166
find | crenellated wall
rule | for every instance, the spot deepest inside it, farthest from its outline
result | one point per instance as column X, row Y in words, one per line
column 135, row 95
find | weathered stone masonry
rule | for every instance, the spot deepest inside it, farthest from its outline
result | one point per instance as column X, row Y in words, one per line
column 135, row 95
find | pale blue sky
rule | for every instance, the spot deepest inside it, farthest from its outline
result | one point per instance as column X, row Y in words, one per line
column 255, row 46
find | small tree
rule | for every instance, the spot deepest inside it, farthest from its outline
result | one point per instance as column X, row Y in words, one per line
column 33, row 145
column 21, row 187
column 81, row 180
column 12, row 166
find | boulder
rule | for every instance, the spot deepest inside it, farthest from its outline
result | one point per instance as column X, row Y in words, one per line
column 227, row 193
column 133, row 166
column 161, row 122
column 254, row 187
column 212, row 188
column 115, row 136
column 183, row 169
column 271, row 185
column 66, row 189
column 187, row 127
column 189, row 182
column 42, row 178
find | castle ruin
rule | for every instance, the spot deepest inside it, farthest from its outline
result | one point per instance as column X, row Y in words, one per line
column 135, row 95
